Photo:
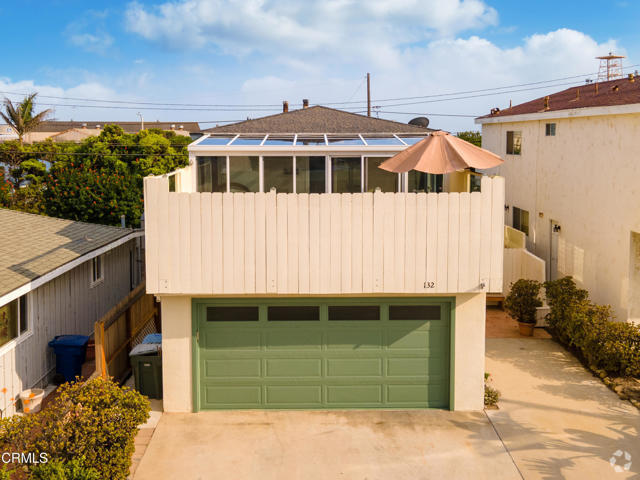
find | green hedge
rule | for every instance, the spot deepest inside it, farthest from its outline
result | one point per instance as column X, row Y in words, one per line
column 95, row 421
column 587, row 327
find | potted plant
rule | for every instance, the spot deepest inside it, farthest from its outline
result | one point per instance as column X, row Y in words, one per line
column 522, row 302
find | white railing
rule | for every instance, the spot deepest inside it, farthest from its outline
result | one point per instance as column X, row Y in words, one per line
column 266, row 243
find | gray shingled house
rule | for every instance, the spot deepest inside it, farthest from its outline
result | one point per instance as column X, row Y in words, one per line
column 56, row 277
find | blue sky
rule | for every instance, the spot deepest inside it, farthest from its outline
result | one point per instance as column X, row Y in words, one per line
column 260, row 52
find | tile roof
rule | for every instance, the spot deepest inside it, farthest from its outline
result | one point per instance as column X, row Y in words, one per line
column 318, row 119
column 621, row 91
column 33, row 245
column 128, row 127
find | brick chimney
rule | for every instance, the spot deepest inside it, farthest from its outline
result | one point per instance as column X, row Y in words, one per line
column 305, row 103
column 285, row 106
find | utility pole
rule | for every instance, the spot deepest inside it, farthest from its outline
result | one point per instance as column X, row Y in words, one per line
column 368, row 94
column 141, row 121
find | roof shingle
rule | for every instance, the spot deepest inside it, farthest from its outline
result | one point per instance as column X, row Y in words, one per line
column 33, row 245
column 318, row 119
column 621, row 91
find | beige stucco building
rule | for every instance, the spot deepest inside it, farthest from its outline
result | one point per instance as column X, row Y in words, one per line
column 572, row 168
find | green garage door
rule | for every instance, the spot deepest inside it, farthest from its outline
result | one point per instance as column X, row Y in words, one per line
column 329, row 354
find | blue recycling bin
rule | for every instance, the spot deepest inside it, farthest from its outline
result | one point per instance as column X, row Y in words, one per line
column 71, row 351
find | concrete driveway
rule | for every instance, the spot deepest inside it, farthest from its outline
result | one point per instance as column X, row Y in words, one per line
column 556, row 419
column 354, row 445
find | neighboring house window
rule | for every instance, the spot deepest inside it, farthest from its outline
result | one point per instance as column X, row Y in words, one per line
column 521, row 220
column 97, row 271
column 211, row 174
column 550, row 129
column 424, row 182
column 13, row 320
column 514, row 143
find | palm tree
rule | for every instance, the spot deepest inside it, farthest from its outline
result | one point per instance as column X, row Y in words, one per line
column 21, row 117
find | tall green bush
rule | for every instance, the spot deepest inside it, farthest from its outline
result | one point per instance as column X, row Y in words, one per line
column 577, row 322
column 96, row 421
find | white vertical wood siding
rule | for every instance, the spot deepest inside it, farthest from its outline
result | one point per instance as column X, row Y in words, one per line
column 267, row 243
column 65, row 305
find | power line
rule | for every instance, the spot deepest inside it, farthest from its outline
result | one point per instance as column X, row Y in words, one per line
column 240, row 107
column 431, row 114
column 207, row 109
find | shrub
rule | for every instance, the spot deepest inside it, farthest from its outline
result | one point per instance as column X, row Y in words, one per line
column 57, row 470
column 491, row 395
column 587, row 327
column 522, row 301
column 96, row 421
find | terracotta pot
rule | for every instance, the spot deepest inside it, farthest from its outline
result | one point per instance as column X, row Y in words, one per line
column 526, row 329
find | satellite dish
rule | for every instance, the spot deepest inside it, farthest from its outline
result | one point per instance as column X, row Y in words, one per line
column 420, row 122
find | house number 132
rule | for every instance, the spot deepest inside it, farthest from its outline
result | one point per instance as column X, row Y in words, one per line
column 429, row 284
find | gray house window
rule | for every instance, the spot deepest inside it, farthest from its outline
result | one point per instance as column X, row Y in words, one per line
column 521, row 220
column 514, row 142
column 13, row 320
column 97, row 271
column 550, row 129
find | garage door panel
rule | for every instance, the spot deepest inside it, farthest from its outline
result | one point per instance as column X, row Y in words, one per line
column 412, row 367
column 293, row 367
column 291, row 395
column 354, row 338
column 401, row 339
column 354, row 367
column 232, row 368
column 233, row 395
column 232, row 339
column 432, row 394
column 294, row 339
column 354, row 394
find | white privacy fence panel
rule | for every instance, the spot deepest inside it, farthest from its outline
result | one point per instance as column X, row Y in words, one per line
column 268, row 243
column 520, row 263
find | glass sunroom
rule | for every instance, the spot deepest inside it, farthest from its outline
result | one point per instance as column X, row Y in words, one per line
column 304, row 163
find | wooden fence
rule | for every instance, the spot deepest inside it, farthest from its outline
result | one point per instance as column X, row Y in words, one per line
column 268, row 243
column 121, row 329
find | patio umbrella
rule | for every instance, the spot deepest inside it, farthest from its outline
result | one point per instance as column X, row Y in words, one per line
column 441, row 152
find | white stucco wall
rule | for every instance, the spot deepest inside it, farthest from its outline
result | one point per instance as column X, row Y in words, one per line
column 586, row 179
column 467, row 368
column 176, row 354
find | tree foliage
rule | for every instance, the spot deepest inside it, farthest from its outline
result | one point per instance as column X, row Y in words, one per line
column 96, row 180
column 21, row 116
column 471, row 136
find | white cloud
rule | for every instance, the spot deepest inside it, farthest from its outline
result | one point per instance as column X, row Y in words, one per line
column 96, row 43
column 441, row 65
column 88, row 32
column 338, row 28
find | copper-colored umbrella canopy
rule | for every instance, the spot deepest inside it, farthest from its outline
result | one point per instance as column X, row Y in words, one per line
column 441, row 152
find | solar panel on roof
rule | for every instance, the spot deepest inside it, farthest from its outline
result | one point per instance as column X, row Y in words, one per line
column 247, row 141
column 216, row 141
column 382, row 141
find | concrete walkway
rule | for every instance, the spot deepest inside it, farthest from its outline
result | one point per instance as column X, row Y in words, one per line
column 555, row 418
column 326, row 445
